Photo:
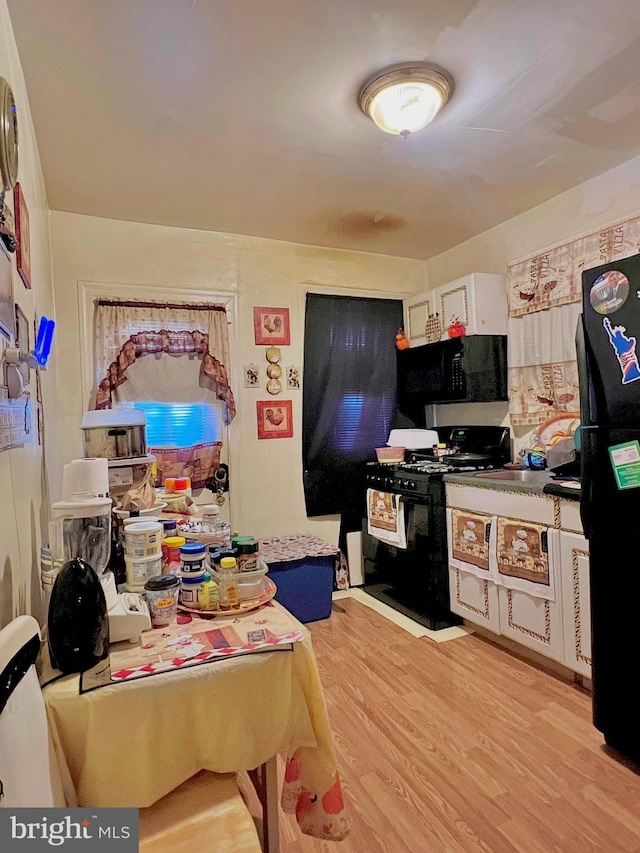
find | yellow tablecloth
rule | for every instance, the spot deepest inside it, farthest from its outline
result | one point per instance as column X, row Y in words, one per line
column 129, row 744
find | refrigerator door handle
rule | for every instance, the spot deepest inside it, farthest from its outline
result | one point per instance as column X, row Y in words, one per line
column 583, row 373
column 587, row 455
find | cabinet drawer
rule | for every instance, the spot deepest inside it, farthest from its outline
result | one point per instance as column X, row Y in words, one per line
column 536, row 508
column 475, row 599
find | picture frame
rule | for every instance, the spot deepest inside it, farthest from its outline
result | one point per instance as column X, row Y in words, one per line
column 293, row 377
column 271, row 326
column 23, row 236
column 275, row 419
column 7, row 305
column 22, row 330
column 251, row 376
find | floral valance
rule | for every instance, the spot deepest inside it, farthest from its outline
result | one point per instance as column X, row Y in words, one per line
column 554, row 277
column 126, row 331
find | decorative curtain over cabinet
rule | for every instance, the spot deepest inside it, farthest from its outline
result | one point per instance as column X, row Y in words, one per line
column 545, row 299
column 185, row 349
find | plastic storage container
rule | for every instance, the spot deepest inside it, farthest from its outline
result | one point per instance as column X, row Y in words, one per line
column 139, row 569
column 189, row 590
column 143, row 539
column 171, row 560
column 192, row 556
column 305, row 586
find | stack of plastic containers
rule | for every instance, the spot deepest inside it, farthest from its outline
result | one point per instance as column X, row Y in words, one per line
column 143, row 556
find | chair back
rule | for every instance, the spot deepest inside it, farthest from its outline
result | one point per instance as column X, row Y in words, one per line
column 25, row 763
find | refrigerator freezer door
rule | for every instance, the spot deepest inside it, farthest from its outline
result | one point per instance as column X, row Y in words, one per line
column 611, row 316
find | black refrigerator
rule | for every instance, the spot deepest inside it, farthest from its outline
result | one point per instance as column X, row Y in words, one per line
column 608, row 344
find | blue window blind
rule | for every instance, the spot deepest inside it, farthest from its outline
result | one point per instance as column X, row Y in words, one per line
column 171, row 425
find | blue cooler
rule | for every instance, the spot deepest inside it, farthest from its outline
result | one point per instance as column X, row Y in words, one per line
column 305, row 584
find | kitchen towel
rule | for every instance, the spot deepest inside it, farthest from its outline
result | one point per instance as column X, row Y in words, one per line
column 385, row 518
column 468, row 535
column 520, row 557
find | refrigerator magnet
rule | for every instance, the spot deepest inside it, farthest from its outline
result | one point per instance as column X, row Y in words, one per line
column 625, row 350
column 625, row 460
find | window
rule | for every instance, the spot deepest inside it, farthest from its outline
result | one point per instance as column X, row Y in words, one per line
column 349, row 395
column 171, row 425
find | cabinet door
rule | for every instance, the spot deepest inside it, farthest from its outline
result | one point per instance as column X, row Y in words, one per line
column 475, row 599
column 472, row 597
column 478, row 300
column 416, row 312
column 535, row 622
column 532, row 622
column 574, row 566
column 456, row 302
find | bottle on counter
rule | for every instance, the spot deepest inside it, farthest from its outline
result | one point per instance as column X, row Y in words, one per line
column 229, row 591
column 248, row 553
column 214, row 525
column 209, row 593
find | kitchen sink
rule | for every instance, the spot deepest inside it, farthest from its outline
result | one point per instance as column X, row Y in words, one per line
column 516, row 476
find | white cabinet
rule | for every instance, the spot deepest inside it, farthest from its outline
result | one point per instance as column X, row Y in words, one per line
column 416, row 312
column 559, row 629
column 535, row 622
column 478, row 301
column 576, row 606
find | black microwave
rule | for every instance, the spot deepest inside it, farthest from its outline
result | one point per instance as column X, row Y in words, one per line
column 469, row 369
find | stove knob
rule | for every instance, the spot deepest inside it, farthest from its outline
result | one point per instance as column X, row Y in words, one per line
column 413, row 485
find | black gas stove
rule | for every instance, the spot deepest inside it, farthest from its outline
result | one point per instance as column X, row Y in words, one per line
column 415, row 579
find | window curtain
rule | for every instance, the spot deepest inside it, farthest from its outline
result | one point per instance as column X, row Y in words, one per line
column 125, row 331
column 545, row 299
column 349, row 396
column 185, row 349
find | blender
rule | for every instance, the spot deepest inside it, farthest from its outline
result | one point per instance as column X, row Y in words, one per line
column 81, row 527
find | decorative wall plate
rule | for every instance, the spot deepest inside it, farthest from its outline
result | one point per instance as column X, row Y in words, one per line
column 274, row 386
column 8, row 137
column 274, row 371
column 273, row 354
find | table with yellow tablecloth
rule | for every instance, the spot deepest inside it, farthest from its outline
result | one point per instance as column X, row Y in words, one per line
column 129, row 744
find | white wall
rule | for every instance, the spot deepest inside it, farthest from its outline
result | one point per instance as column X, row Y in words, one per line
column 23, row 495
column 611, row 196
column 266, row 475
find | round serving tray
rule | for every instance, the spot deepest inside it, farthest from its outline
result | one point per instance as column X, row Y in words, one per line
column 269, row 590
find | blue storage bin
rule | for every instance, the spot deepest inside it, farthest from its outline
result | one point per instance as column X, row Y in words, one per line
column 304, row 586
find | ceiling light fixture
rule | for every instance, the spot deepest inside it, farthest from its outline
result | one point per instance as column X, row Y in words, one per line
column 405, row 98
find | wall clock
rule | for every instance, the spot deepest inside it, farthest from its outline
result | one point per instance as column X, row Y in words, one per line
column 8, row 137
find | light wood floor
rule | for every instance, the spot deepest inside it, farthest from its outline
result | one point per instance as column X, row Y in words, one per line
column 462, row 747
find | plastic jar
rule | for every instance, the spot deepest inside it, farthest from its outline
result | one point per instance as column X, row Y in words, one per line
column 170, row 527
column 248, row 553
column 192, row 556
column 139, row 569
column 161, row 592
column 178, row 484
column 143, row 539
column 171, row 560
column 189, row 590
column 229, row 591
column 215, row 526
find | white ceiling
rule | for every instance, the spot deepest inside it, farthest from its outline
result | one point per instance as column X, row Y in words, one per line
column 241, row 115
